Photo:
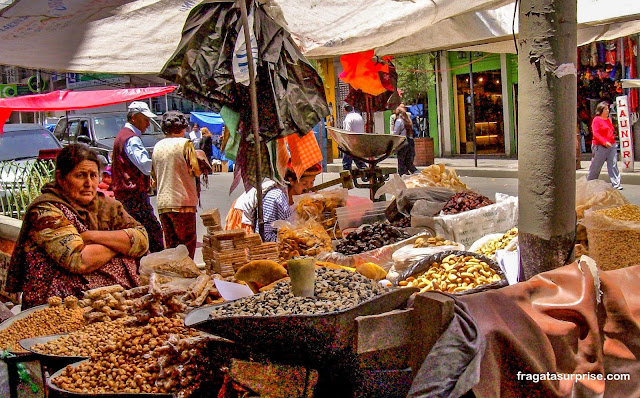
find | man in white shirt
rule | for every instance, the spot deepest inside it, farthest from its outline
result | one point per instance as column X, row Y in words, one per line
column 195, row 135
column 352, row 122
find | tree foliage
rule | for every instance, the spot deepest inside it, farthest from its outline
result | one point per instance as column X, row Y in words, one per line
column 413, row 80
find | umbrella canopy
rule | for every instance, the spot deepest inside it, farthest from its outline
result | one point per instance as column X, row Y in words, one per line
column 211, row 120
column 64, row 100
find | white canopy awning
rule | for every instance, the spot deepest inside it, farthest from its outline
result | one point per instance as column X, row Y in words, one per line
column 139, row 36
column 492, row 30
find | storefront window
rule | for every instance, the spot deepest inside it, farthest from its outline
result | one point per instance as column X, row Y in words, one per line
column 489, row 122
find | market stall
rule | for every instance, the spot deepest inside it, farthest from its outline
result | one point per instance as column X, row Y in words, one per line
column 376, row 318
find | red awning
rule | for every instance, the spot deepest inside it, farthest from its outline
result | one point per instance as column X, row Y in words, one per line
column 64, row 100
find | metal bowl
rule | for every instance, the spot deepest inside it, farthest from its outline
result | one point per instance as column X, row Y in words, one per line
column 312, row 340
column 366, row 146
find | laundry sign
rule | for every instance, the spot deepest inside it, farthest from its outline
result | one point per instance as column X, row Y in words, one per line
column 624, row 130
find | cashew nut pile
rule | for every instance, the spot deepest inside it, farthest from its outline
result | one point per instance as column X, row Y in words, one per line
column 454, row 274
column 433, row 241
column 54, row 319
column 161, row 357
column 489, row 249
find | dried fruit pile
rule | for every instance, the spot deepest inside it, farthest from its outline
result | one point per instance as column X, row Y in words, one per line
column 465, row 201
column 370, row 237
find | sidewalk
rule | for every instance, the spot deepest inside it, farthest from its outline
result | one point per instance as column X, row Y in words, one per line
column 500, row 168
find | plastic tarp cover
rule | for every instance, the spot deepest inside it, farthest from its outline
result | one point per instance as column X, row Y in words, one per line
column 77, row 35
column 211, row 120
column 63, row 100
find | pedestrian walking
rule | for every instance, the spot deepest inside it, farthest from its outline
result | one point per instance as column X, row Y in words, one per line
column 175, row 169
column 206, row 143
column 604, row 146
column 403, row 126
column 352, row 122
column 130, row 170
column 195, row 135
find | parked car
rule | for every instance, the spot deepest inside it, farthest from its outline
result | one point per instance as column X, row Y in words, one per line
column 21, row 176
column 99, row 130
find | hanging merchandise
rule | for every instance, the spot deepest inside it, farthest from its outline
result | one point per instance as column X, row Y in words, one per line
column 584, row 55
column 240, row 61
column 250, row 162
column 361, row 73
column 305, row 152
column 594, row 54
column 282, row 156
column 231, row 120
column 389, row 99
column 291, row 96
column 294, row 84
column 610, row 55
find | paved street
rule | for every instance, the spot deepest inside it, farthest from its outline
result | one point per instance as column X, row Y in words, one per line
column 217, row 194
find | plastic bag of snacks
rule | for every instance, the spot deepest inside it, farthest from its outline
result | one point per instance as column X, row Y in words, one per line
column 457, row 272
column 301, row 239
column 614, row 236
column 321, row 207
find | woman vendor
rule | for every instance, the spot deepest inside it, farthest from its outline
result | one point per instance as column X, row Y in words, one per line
column 73, row 238
column 276, row 202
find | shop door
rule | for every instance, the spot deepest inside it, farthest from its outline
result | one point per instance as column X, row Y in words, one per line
column 489, row 121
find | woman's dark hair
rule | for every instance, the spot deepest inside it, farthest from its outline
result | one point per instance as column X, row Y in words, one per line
column 174, row 122
column 72, row 155
column 601, row 107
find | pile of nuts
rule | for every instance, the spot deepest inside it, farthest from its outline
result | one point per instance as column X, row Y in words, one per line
column 370, row 237
column 87, row 341
column 107, row 303
column 335, row 290
column 54, row 319
column 453, row 274
column 433, row 241
column 489, row 249
column 614, row 236
column 142, row 360
column 465, row 201
column 174, row 300
column 309, row 239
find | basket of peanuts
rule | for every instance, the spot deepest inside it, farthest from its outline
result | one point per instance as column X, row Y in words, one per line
column 457, row 272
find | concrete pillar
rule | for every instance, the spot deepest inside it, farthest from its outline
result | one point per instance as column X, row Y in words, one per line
column 546, row 147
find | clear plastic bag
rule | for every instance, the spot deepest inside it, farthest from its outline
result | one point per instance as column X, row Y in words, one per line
column 320, row 207
column 613, row 243
column 174, row 263
column 430, row 199
column 596, row 193
column 302, row 238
